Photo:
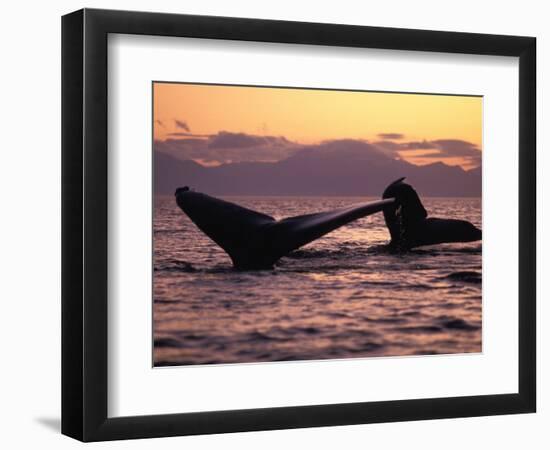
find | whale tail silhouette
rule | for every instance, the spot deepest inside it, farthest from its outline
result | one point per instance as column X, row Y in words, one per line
column 254, row 240
column 409, row 225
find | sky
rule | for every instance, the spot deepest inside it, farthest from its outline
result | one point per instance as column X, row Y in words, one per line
column 217, row 124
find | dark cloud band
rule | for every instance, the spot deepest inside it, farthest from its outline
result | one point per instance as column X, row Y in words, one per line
column 391, row 136
column 182, row 125
column 227, row 147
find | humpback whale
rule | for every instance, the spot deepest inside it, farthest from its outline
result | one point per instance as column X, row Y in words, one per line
column 409, row 225
column 254, row 240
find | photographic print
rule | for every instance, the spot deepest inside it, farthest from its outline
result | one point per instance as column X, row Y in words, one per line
column 294, row 224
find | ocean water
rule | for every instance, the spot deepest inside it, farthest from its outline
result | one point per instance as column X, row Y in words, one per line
column 342, row 296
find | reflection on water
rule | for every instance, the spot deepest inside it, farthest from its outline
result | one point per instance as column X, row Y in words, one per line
column 341, row 296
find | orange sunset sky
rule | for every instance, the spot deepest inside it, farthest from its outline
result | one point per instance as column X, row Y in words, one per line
column 419, row 128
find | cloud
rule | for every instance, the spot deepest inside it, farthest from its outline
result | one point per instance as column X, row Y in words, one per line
column 389, row 145
column 396, row 136
column 435, row 150
column 456, row 147
column 226, row 147
column 418, row 145
column 182, row 125
column 225, row 139
column 184, row 133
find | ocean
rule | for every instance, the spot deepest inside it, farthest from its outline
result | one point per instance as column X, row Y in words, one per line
column 342, row 296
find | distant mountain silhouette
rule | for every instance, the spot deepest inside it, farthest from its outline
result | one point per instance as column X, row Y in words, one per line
column 338, row 168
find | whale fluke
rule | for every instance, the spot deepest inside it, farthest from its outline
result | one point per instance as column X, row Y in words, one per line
column 256, row 241
column 409, row 225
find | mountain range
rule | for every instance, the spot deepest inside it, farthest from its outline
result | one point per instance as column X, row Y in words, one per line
column 326, row 170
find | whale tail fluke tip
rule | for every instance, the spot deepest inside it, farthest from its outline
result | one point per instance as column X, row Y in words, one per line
column 399, row 180
column 388, row 192
column 180, row 190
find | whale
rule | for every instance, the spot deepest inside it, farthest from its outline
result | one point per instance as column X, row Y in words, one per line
column 254, row 240
column 409, row 225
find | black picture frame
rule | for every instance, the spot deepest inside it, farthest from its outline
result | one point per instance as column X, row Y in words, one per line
column 84, row 224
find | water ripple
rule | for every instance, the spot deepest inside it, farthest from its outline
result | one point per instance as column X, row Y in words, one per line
column 346, row 295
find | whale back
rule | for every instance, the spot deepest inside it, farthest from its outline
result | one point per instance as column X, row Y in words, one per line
column 440, row 231
column 409, row 225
